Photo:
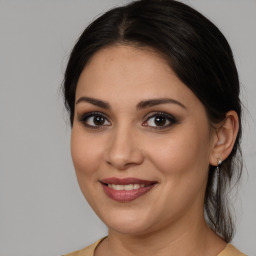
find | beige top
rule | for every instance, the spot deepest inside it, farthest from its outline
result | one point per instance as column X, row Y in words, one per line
column 229, row 250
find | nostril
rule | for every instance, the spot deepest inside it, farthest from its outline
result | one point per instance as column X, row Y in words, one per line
column 123, row 152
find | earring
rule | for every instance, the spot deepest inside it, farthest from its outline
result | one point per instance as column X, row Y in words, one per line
column 218, row 167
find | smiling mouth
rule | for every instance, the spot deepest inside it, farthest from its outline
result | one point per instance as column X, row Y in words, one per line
column 126, row 190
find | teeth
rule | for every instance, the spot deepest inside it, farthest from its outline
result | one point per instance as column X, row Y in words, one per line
column 126, row 187
column 136, row 186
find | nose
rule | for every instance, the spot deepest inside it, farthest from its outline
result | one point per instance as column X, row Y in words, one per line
column 123, row 150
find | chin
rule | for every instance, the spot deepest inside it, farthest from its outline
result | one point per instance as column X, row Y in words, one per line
column 124, row 227
column 126, row 222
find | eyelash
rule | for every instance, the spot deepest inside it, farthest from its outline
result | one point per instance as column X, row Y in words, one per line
column 85, row 117
column 167, row 118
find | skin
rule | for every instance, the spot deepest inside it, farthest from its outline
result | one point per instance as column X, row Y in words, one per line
column 169, row 219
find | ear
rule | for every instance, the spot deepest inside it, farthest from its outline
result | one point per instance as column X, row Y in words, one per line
column 224, row 137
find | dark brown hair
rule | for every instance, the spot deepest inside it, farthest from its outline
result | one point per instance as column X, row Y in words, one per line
column 200, row 56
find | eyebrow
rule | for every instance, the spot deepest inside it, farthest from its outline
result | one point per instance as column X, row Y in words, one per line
column 154, row 102
column 96, row 102
column 141, row 105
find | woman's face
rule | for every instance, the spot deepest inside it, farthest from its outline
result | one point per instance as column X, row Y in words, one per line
column 141, row 142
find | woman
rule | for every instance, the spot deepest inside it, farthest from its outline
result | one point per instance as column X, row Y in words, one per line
column 153, row 95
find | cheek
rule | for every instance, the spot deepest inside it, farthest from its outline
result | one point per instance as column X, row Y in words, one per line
column 184, row 159
column 183, row 163
column 85, row 153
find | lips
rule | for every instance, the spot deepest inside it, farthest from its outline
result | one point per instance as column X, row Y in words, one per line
column 125, row 190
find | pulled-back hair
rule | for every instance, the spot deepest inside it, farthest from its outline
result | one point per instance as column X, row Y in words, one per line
column 200, row 56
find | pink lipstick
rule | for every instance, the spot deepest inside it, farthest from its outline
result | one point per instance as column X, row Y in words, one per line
column 125, row 190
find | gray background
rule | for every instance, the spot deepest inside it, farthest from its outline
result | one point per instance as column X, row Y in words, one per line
column 42, row 212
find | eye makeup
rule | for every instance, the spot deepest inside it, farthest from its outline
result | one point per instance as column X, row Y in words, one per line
column 153, row 120
column 94, row 120
column 159, row 120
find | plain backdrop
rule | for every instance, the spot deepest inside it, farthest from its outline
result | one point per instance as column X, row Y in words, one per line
column 42, row 211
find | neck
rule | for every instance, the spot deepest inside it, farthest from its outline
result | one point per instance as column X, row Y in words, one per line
column 172, row 240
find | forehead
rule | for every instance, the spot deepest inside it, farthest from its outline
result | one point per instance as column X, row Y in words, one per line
column 125, row 67
column 123, row 59
column 128, row 74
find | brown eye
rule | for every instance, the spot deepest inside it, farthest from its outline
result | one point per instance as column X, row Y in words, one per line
column 159, row 121
column 95, row 120
column 98, row 120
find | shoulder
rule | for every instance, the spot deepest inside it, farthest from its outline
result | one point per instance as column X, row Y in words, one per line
column 87, row 251
column 230, row 250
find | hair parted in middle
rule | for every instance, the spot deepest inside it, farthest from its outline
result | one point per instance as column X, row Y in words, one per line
column 196, row 51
